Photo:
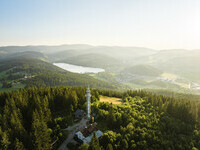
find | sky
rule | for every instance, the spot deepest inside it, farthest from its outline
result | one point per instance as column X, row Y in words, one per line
column 157, row 24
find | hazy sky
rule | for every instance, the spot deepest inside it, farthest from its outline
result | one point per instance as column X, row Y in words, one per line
column 159, row 24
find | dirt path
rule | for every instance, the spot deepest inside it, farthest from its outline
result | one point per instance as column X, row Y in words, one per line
column 72, row 130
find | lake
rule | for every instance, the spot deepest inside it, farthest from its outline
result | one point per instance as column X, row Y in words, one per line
column 78, row 69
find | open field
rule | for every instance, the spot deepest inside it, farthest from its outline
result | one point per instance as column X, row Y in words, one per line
column 169, row 76
column 113, row 100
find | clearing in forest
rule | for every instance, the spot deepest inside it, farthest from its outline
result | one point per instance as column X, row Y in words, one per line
column 113, row 100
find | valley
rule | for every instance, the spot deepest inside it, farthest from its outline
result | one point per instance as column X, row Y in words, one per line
column 135, row 96
column 143, row 68
column 99, row 75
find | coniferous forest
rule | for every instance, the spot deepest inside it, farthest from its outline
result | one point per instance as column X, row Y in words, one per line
column 33, row 119
column 99, row 75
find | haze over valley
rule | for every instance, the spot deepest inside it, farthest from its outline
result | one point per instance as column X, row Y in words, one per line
column 129, row 67
column 99, row 75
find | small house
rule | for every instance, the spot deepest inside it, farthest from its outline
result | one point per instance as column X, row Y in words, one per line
column 85, row 135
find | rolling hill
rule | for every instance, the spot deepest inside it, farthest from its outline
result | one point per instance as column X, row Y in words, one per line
column 143, row 70
column 92, row 60
column 32, row 72
column 116, row 60
column 187, row 66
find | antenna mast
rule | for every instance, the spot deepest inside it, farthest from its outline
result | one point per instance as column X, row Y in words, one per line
column 88, row 95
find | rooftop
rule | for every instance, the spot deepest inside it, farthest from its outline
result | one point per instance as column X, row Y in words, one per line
column 85, row 134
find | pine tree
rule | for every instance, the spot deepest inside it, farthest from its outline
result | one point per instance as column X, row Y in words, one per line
column 19, row 145
column 16, row 124
column 84, row 146
column 124, row 144
column 109, row 147
column 45, row 110
column 94, row 144
column 4, row 140
column 74, row 99
column 40, row 133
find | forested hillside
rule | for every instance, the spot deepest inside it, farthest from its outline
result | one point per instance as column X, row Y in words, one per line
column 147, row 121
column 32, row 119
column 132, row 67
column 92, row 60
column 143, row 70
column 27, row 71
column 99, row 75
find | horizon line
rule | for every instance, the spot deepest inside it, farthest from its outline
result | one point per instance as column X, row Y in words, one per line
column 93, row 45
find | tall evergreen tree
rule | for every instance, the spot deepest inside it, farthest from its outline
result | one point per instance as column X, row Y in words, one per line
column 19, row 145
column 45, row 110
column 124, row 144
column 40, row 133
column 94, row 144
column 4, row 140
column 109, row 147
column 84, row 146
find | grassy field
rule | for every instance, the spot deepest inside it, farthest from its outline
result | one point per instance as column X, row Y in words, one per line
column 113, row 100
column 169, row 76
column 17, row 86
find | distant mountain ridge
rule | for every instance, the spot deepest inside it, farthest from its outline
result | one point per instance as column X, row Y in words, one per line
column 118, row 60
column 92, row 60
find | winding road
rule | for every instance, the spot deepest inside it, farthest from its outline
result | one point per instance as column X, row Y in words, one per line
column 72, row 130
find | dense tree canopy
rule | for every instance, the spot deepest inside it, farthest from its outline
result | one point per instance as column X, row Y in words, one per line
column 33, row 118
column 30, row 118
column 148, row 121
